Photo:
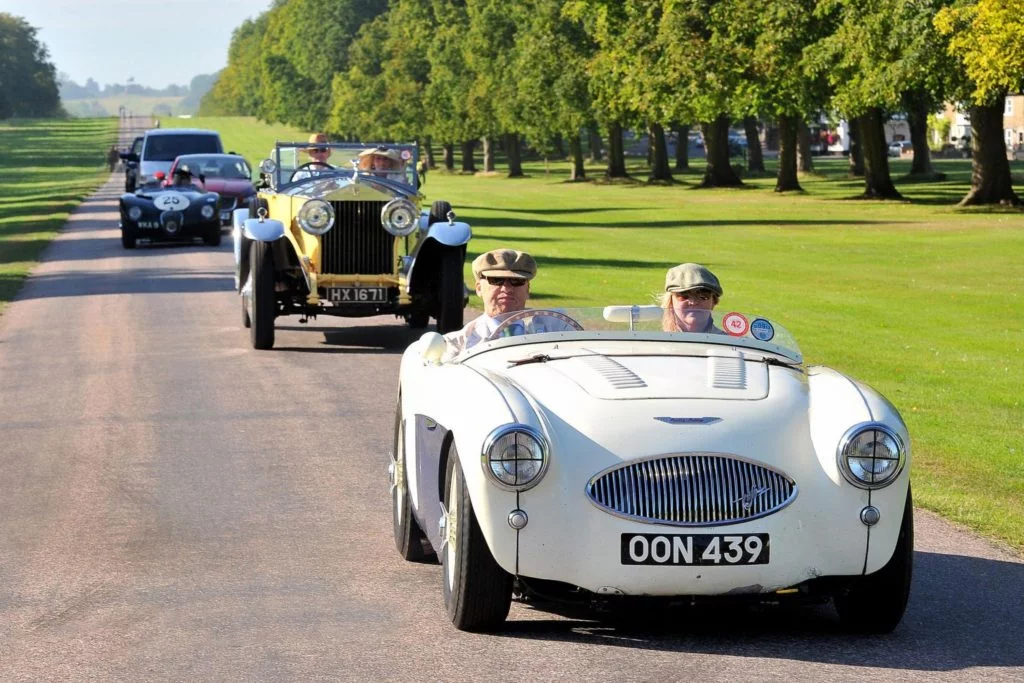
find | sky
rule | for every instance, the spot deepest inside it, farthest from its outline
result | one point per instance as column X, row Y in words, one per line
column 156, row 42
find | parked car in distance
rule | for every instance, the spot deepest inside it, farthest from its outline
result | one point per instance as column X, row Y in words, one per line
column 900, row 147
column 346, row 238
column 611, row 462
column 160, row 147
column 131, row 165
column 175, row 212
column 229, row 175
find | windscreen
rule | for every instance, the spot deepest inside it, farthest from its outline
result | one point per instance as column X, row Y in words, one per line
column 230, row 168
column 170, row 147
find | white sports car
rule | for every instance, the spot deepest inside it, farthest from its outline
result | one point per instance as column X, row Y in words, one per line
column 612, row 460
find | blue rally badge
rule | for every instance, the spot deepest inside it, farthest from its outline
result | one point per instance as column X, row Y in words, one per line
column 762, row 330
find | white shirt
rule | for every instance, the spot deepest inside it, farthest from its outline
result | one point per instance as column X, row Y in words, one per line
column 479, row 329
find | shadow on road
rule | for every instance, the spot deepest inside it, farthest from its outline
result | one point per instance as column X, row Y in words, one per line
column 358, row 339
column 131, row 281
column 964, row 612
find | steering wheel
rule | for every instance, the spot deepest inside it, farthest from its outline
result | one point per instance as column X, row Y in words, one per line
column 308, row 166
column 533, row 313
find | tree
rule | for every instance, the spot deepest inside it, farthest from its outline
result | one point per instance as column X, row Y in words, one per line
column 238, row 88
column 987, row 39
column 28, row 80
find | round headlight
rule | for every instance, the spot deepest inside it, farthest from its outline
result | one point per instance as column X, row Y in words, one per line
column 207, row 211
column 135, row 213
column 316, row 217
column 399, row 217
column 268, row 166
column 515, row 456
column 871, row 455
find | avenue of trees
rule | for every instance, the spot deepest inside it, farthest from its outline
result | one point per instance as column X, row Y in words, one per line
column 563, row 74
column 28, row 80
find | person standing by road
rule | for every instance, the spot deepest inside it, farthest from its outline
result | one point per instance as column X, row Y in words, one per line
column 113, row 157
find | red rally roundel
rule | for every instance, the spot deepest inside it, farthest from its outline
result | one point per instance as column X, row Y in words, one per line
column 735, row 324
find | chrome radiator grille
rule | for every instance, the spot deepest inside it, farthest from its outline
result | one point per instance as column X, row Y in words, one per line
column 357, row 243
column 699, row 489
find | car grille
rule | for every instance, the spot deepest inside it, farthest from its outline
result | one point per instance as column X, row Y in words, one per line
column 357, row 243
column 691, row 490
column 226, row 203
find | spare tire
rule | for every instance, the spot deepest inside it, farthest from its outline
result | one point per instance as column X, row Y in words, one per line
column 439, row 212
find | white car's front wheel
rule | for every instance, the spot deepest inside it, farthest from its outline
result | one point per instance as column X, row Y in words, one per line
column 477, row 591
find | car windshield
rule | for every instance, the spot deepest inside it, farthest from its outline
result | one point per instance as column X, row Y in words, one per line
column 639, row 322
column 169, row 147
column 216, row 166
column 299, row 161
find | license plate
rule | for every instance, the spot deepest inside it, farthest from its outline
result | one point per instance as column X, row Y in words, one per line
column 357, row 295
column 147, row 224
column 225, row 215
column 695, row 549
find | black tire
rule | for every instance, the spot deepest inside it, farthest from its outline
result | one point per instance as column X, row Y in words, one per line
column 127, row 238
column 264, row 300
column 409, row 538
column 246, row 323
column 129, row 184
column 438, row 212
column 477, row 591
column 212, row 236
column 875, row 603
column 451, row 292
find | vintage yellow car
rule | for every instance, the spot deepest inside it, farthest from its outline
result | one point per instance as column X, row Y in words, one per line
column 344, row 234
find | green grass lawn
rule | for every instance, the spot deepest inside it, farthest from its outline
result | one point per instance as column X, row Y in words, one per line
column 920, row 299
column 46, row 169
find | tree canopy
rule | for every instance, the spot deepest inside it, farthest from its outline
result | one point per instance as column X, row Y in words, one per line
column 28, row 80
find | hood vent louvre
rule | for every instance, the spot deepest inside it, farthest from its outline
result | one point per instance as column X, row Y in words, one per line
column 727, row 372
column 618, row 375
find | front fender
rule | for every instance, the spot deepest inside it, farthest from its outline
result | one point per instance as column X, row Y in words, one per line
column 266, row 230
column 453, row 234
column 238, row 218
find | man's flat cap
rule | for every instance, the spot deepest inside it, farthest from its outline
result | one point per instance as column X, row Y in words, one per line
column 504, row 263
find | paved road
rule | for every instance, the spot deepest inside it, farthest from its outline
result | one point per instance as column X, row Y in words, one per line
column 176, row 506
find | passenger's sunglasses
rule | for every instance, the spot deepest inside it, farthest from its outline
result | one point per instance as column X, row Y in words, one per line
column 510, row 281
column 696, row 295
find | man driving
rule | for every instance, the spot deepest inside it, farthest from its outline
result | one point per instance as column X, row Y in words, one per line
column 318, row 152
column 503, row 283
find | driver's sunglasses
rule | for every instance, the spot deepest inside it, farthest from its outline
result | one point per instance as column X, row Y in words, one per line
column 510, row 281
column 696, row 295
column 317, row 150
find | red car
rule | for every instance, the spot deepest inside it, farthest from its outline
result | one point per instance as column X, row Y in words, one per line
column 226, row 174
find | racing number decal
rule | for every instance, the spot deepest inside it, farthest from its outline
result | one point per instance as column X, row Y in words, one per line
column 735, row 324
column 170, row 201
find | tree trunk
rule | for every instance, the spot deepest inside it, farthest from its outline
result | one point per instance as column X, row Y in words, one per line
column 488, row 145
column 616, row 155
column 428, row 153
column 755, row 160
column 803, row 147
column 559, row 145
column 856, row 151
column 718, row 172
column 577, row 172
column 515, row 161
column 786, row 180
column 917, row 117
column 990, row 171
column 659, row 161
column 682, row 146
column 877, row 181
column 448, row 154
column 594, row 136
column 468, row 165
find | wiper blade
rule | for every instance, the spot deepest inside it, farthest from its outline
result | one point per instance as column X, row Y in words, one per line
column 538, row 358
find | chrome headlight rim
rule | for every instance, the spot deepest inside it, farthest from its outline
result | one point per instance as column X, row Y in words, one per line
column 303, row 217
column 268, row 166
column 389, row 209
column 208, row 211
column 503, row 431
column 843, row 455
column 134, row 213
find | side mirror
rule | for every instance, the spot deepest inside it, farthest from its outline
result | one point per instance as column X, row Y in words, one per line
column 433, row 347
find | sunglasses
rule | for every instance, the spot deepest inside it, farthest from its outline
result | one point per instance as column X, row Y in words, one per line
column 695, row 295
column 510, row 281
